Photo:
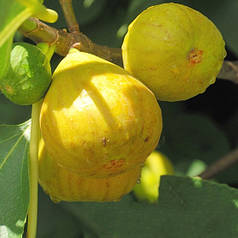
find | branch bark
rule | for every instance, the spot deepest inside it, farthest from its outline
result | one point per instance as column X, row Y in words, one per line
column 69, row 15
column 229, row 71
column 37, row 31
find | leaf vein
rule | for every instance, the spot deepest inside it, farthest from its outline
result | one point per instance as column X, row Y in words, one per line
column 11, row 151
column 9, row 138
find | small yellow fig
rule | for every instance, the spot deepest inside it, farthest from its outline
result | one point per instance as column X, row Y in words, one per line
column 174, row 50
column 63, row 184
column 156, row 165
column 96, row 119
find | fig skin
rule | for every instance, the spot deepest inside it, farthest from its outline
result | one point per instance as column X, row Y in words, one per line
column 174, row 50
column 64, row 185
column 28, row 76
column 96, row 120
column 155, row 166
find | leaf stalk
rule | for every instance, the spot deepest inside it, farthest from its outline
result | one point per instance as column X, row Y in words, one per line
column 33, row 171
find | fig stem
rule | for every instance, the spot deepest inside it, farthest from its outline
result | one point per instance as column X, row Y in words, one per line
column 44, row 47
column 38, row 31
column 33, row 170
column 48, row 50
column 69, row 15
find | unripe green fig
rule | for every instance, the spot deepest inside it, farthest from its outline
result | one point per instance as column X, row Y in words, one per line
column 156, row 165
column 28, row 76
column 173, row 49
column 96, row 119
column 64, row 185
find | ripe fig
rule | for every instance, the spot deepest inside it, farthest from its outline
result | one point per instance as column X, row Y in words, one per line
column 96, row 119
column 156, row 165
column 28, row 76
column 63, row 184
column 173, row 49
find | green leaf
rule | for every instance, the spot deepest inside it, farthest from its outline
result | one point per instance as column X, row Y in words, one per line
column 14, row 12
column 12, row 113
column 192, row 142
column 5, row 51
column 14, row 187
column 188, row 207
column 56, row 222
column 191, row 207
column 12, row 15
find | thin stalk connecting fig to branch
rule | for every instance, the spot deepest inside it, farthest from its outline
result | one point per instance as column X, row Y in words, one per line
column 33, row 168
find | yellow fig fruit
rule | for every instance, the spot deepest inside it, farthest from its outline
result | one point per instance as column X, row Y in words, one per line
column 64, row 185
column 96, row 119
column 156, row 165
column 173, row 49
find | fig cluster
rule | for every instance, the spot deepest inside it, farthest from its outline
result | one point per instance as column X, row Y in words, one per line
column 100, row 122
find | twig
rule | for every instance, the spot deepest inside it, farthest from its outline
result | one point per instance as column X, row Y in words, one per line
column 37, row 31
column 69, row 15
column 229, row 71
column 220, row 165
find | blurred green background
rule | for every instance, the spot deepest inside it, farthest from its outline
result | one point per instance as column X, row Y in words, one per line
column 196, row 132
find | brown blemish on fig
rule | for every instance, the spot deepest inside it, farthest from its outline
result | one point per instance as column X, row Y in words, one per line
column 114, row 164
column 104, row 141
column 195, row 56
column 146, row 139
